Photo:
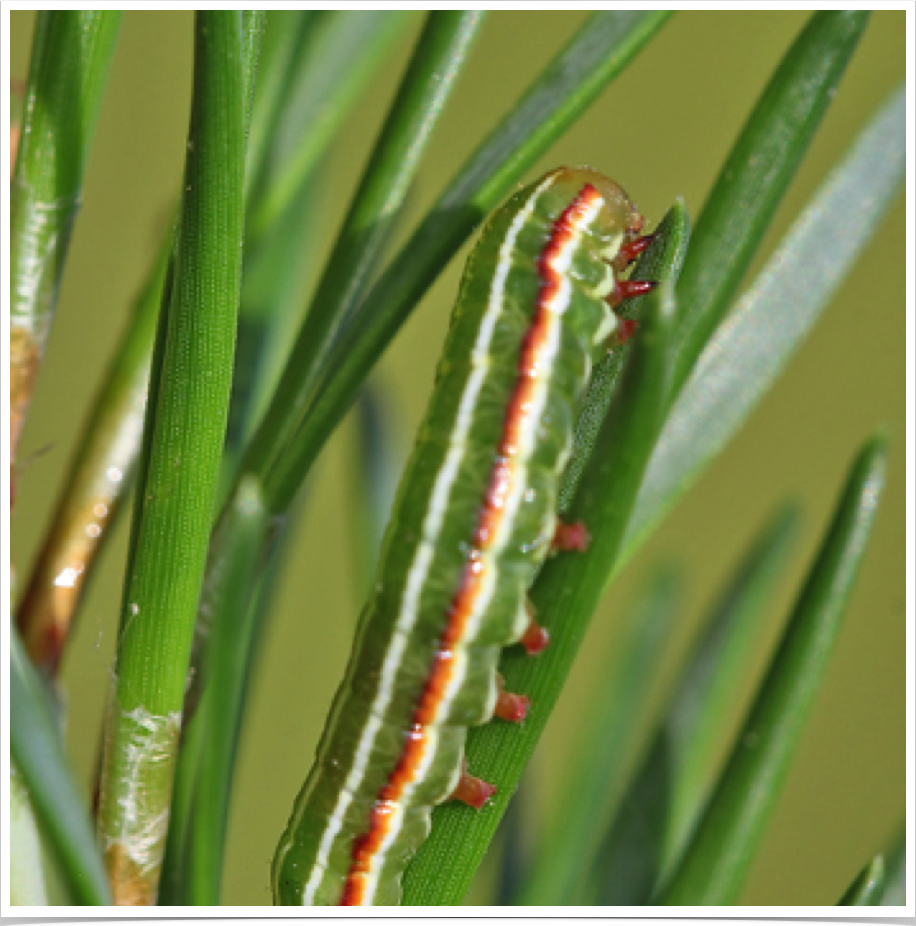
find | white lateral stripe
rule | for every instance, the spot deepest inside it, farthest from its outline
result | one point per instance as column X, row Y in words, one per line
column 555, row 310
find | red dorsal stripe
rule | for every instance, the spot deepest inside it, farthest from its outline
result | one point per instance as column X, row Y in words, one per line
column 507, row 470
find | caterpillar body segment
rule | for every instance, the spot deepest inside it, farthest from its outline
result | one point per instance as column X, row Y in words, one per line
column 474, row 518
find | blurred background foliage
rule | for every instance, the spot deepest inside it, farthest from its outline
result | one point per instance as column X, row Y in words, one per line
column 662, row 131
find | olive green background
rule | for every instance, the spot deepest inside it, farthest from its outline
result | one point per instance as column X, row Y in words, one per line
column 661, row 130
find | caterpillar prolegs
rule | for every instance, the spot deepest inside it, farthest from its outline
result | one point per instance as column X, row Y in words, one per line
column 475, row 516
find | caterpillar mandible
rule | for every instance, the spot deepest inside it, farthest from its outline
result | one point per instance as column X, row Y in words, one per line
column 474, row 518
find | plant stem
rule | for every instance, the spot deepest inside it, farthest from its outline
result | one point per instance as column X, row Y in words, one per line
column 752, row 346
column 437, row 60
column 37, row 752
column 715, row 863
column 186, row 420
column 277, row 268
column 345, row 48
column 599, row 769
column 70, row 57
column 868, row 888
column 666, row 795
column 99, row 478
column 756, row 174
column 197, row 838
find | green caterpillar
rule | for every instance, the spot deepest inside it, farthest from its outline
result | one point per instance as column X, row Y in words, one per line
column 474, row 519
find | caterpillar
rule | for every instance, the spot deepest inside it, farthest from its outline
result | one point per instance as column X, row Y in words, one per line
column 474, row 518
